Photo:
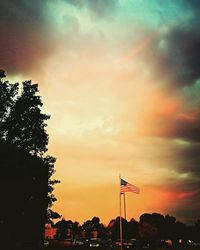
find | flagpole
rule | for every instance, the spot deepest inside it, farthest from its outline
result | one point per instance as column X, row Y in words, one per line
column 124, row 207
column 120, row 214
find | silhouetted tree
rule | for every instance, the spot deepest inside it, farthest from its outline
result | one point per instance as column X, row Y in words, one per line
column 170, row 227
column 67, row 229
column 114, row 227
column 87, row 228
column 95, row 223
column 98, row 228
column 26, row 123
column 7, row 94
column 150, row 228
column 133, row 229
column 193, row 232
column 51, row 215
column 25, row 170
column 158, row 221
column 62, row 226
column 180, row 232
column 76, row 230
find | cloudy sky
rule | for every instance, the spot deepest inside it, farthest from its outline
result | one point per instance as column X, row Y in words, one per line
column 121, row 81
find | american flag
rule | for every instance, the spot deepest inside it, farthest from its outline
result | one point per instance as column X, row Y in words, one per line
column 127, row 187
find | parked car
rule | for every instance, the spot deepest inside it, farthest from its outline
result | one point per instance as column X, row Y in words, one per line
column 166, row 243
column 117, row 243
column 131, row 244
column 196, row 244
column 80, row 242
column 125, row 244
column 46, row 243
column 107, row 243
column 95, row 242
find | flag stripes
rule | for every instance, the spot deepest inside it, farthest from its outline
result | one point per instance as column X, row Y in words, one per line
column 127, row 187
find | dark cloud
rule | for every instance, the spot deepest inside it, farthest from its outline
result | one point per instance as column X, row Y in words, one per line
column 27, row 33
column 188, row 208
column 24, row 38
column 178, row 125
column 195, row 4
column 176, row 53
column 184, row 201
column 187, row 158
column 187, row 128
column 180, row 59
column 190, row 159
column 188, row 186
column 184, row 197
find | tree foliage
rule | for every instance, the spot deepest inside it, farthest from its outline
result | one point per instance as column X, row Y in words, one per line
column 23, row 123
column 25, row 168
column 154, row 230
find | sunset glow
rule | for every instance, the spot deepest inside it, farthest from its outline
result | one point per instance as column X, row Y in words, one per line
column 120, row 82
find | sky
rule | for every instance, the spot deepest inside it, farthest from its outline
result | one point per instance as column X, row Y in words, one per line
column 121, row 81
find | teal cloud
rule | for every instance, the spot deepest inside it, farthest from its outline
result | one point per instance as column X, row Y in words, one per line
column 98, row 7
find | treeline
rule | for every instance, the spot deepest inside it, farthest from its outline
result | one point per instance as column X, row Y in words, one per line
column 150, row 227
column 25, row 168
